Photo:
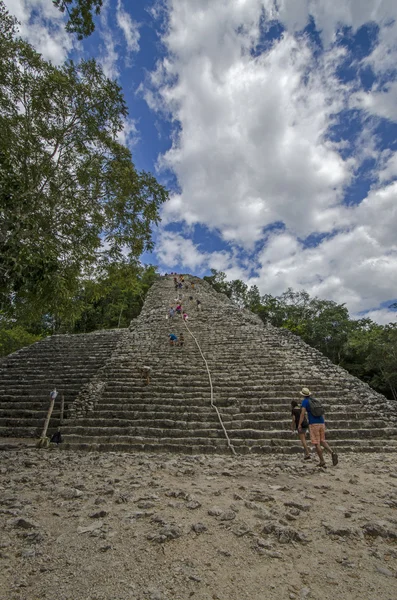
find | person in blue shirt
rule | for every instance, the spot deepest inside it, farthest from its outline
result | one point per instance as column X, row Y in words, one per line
column 316, row 428
column 173, row 339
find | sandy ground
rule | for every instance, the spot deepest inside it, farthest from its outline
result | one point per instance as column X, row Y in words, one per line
column 90, row 526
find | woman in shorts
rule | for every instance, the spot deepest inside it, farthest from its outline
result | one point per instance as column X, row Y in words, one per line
column 296, row 413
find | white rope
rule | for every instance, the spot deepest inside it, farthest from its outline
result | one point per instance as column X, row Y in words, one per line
column 212, row 392
column 230, row 445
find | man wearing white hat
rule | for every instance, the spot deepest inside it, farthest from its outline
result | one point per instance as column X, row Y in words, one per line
column 315, row 415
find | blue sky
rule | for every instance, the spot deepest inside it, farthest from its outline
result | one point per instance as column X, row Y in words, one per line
column 274, row 126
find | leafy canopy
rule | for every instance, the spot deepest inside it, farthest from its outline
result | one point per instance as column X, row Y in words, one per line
column 80, row 15
column 70, row 194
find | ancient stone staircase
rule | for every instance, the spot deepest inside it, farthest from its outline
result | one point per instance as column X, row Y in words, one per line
column 66, row 362
column 256, row 372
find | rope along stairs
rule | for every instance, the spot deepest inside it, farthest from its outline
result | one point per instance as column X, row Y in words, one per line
column 230, row 445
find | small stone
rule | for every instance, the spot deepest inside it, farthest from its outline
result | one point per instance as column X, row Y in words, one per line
column 99, row 515
column 227, row 515
column 169, row 532
column 215, row 511
column 264, row 544
column 284, row 534
column 385, row 571
column 374, row 529
column 225, row 553
column 259, row 496
column 90, row 528
column 99, row 500
column 298, row 505
column 241, row 530
column 122, row 499
column 199, row 527
column 305, row 592
column 70, row 493
column 22, row 523
column 193, row 505
column 345, row 532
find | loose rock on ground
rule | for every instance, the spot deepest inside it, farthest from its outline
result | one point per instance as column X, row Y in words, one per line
column 117, row 526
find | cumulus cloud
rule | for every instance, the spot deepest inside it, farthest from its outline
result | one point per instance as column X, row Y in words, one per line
column 251, row 146
column 383, row 316
column 381, row 103
column 109, row 56
column 43, row 26
column 129, row 27
column 175, row 249
column 129, row 134
column 112, row 48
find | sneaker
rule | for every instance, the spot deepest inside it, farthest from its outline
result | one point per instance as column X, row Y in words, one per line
column 322, row 465
column 308, row 457
column 334, row 458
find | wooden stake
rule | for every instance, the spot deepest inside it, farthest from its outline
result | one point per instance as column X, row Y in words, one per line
column 48, row 417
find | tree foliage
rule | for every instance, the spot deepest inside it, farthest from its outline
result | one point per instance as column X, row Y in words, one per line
column 367, row 350
column 13, row 338
column 69, row 192
column 113, row 297
column 108, row 298
column 80, row 15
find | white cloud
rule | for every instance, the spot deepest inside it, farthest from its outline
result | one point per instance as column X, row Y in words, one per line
column 382, row 316
column 173, row 249
column 112, row 49
column 43, row 26
column 381, row 103
column 129, row 27
column 108, row 56
column 389, row 168
column 251, row 146
column 128, row 136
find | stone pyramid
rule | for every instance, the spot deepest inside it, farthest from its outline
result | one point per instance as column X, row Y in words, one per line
column 255, row 372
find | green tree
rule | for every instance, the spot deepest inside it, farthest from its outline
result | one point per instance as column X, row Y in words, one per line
column 253, row 298
column 69, row 192
column 112, row 297
column 80, row 15
column 238, row 293
column 14, row 337
column 371, row 353
column 219, row 282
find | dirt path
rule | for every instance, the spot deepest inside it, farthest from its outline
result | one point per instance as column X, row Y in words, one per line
column 89, row 526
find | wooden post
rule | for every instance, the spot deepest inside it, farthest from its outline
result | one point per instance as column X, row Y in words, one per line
column 48, row 417
column 44, row 442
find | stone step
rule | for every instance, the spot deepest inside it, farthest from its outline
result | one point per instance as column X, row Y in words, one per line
column 214, row 430
column 146, row 411
column 174, row 399
column 207, row 421
column 167, row 411
column 205, row 445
